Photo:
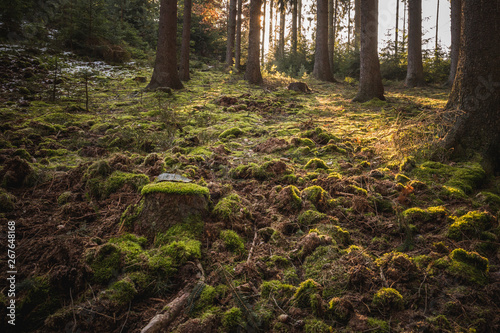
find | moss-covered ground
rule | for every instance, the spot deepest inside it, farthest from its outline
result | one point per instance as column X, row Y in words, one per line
column 324, row 215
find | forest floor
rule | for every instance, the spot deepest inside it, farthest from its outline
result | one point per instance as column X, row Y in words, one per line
column 323, row 215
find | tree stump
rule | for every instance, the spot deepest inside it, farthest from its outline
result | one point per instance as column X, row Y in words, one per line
column 170, row 203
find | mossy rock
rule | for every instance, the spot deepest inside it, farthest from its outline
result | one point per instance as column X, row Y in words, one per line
column 340, row 309
column 230, row 208
column 232, row 241
column 122, row 291
column 304, row 296
column 470, row 225
column 7, row 201
column 470, row 266
column 170, row 203
column 232, row 132
column 316, row 163
column 318, row 197
column 232, row 318
column 416, row 214
column 288, row 199
column 310, row 217
column 388, row 299
column 299, row 142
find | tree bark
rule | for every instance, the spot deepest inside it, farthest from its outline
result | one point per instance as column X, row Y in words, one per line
column 331, row 38
column 271, row 7
column 415, row 72
column 370, row 79
column 357, row 24
column 476, row 90
column 436, row 46
column 263, row 31
column 186, row 38
column 252, row 73
column 237, row 46
column 396, row 33
column 456, row 23
column 294, row 27
column 281, row 43
column 231, row 29
column 322, row 70
column 299, row 20
column 165, row 72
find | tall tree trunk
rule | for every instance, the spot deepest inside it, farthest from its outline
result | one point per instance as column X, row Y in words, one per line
column 322, row 70
column 263, row 32
column 349, row 26
column 456, row 23
column 237, row 46
column 294, row 27
column 437, row 30
column 252, row 73
column 231, row 30
column 396, row 34
column 404, row 27
column 370, row 79
column 186, row 38
column 357, row 24
column 299, row 19
column 271, row 30
column 415, row 73
column 476, row 90
column 165, row 72
column 281, row 44
column 331, row 38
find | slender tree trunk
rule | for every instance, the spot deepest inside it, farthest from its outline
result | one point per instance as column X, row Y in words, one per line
column 252, row 73
column 396, row 34
column 271, row 30
column 476, row 90
column 456, row 23
column 263, row 32
column 322, row 70
column 165, row 72
column 231, row 29
column 437, row 31
column 415, row 73
column 331, row 39
column 281, row 45
column 357, row 24
column 294, row 27
column 299, row 19
column 370, row 79
column 404, row 28
column 349, row 26
column 237, row 46
column 186, row 38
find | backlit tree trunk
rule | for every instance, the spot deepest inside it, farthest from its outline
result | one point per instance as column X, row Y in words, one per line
column 331, row 38
column 396, row 33
column 294, row 27
column 456, row 23
column 415, row 72
column 252, row 73
column 165, row 72
column 370, row 79
column 237, row 46
column 281, row 42
column 271, row 30
column 322, row 70
column 357, row 24
column 186, row 38
column 476, row 90
column 263, row 41
column 231, row 30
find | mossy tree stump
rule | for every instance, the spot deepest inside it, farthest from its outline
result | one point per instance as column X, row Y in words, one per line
column 170, row 203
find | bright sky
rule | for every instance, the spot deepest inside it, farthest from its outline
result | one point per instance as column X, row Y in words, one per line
column 387, row 22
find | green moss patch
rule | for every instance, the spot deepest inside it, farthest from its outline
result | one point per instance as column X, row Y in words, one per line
column 316, row 163
column 232, row 132
column 175, row 188
column 470, row 266
column 318, row 197
column 232, row 241
column 387, row 299
column 470, row 225
column 310, row 217
column 288, row 199
column 305, row 294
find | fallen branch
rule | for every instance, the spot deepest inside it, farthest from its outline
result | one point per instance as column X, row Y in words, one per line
column 162, row 320
column 253, row 245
